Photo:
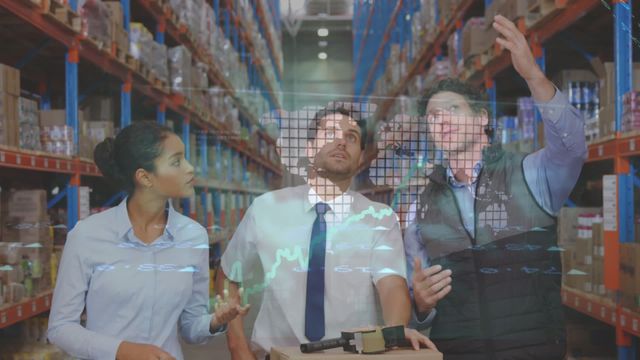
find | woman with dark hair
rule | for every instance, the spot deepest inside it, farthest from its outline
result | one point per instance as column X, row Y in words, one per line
column 140, row 269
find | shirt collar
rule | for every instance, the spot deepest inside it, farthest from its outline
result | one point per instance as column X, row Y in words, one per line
column 123, row 223
column 475, row 173
column 339, row 205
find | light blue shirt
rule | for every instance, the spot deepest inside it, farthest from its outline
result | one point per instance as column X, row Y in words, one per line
column 132, row 291
column 550, row 173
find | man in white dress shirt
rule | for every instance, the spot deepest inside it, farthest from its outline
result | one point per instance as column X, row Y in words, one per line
column 325, row 251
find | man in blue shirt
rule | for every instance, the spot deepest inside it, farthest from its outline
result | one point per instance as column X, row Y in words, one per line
column 486, row 222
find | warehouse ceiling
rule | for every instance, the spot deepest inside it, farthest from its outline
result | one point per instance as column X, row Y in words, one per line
column 308, row 15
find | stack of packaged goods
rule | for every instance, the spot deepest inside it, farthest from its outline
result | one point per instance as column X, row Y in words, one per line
column 26, row 247
column 119, row 35
column 583, row 91
column 630, row 276
column 631, row 111
column 9, row 94
column 56, row 136
column 424, row 26
column 583, row 95
column 98, row 123
column 96, row 22
column 608, row 100
column 527, row 123
column 180, row 70
column 141, row 44
column 29, row 124
column 581, row 237
column 159, row 65
column 476, row 39
column 200, row 85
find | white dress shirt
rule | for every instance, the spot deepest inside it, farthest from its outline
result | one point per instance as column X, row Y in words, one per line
column 364, row 245
column 132, row 291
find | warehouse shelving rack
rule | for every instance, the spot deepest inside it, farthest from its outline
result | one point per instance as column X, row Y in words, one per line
column 621, row 148
column 33, row 13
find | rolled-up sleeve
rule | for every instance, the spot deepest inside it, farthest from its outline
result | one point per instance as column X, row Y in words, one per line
column 552, row 171
column 195, row 319
column 68, row 303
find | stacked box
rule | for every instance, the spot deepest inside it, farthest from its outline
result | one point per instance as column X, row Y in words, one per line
column 608, row 96
column 475, row 38
column 526, row 118
column 9, row 133
column 9, row 80
column 96, row 22
column 159, row 65
column 99, row 108
column 9, row 93
column 180, row 70
column 491, row 11
column 56, row 136
column 140, row 40
column 26, row 247
column 631, row 111
column 514, row 9
column 119, row 36
column 597, row 279
column 630, row 275
column 29, row 124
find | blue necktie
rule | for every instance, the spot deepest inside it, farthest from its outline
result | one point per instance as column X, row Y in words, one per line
column 314, row 311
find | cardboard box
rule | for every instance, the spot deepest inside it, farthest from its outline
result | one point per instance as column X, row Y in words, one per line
column 121, row 38
column 115, row 12
column 608, row 83
column 630, row 267
column 584, row 251
column 564, row 77
column 513, row 9
column 294, row 353
column 9, row 80
column 99, row 130
column 568, row 224
column 99, row 109
column 491, row 12
column 606, row 121
column 475, row 39
column 9, row 119
column 27, row 205
column 58, row 117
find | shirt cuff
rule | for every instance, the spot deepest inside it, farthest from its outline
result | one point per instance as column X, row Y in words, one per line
column 422, row 321
column 553, row 109
column 222, row 329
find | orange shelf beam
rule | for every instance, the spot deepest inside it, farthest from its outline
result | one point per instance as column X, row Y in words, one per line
column 26, row 309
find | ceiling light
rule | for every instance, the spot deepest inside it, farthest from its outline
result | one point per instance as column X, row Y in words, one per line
column 323, row 43
column 322, row 55
column 323, row 32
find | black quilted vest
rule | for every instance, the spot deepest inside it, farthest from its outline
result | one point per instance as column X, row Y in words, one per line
column 505, row 299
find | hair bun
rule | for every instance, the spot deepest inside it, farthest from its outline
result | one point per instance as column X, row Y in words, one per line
column 105, row 158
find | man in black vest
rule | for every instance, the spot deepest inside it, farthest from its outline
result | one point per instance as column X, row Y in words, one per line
column 486, row 222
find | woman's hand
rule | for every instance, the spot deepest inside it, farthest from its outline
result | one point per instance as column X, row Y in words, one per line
column 227, row 308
